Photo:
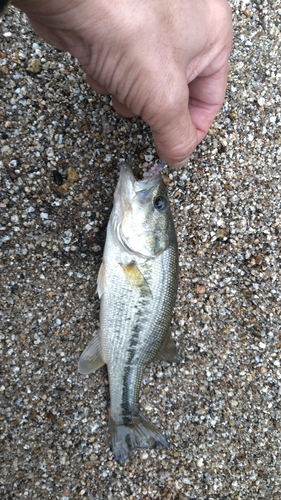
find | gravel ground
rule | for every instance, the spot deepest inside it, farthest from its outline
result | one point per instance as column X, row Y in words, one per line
column 220, row 407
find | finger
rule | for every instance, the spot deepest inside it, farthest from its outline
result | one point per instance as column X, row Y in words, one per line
column 121, row 108
column 206, row 98
column 174, row 134
column 97, row 87
column 118, row 106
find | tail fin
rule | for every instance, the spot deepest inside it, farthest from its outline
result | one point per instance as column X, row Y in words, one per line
column 139, row 434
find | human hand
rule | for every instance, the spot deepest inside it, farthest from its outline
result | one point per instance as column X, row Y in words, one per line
column 164, row 60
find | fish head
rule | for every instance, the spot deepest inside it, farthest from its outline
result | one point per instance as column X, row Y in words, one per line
column 141, row 217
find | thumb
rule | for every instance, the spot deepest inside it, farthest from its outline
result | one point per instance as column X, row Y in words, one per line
column 175, row 136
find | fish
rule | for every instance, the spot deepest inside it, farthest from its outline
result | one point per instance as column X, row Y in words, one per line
column 137, row 287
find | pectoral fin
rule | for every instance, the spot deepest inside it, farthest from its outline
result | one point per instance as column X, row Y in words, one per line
column 168, row 351
column 136, row 278
column 100, row 281
column 91, row 359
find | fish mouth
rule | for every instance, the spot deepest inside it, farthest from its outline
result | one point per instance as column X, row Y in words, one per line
column 128, row 186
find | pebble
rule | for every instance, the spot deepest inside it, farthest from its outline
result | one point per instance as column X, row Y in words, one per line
column 44, row 215
column 34, row 65
column 72, row 175
column 58, row 178
column 200, row 289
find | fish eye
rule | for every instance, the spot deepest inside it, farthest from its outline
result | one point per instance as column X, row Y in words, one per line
column 160, row 203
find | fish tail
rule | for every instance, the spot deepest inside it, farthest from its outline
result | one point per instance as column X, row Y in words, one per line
column 139, row 433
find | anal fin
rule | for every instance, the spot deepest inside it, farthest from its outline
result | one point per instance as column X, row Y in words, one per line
column 91, row 358
column 168, row 351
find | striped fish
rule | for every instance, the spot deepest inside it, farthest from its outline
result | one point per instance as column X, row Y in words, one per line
column 137, row 285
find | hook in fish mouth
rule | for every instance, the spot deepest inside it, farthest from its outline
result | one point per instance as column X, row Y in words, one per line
column 154, row 170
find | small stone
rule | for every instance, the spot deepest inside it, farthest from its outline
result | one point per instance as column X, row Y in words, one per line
column 205, row 318
column 34, row 66
column 200, row 289
column 61, row 190
column 107, row 158
column 148, row 158
column 35, row 46
column 261, row 101
column 21, row 55
column 258, row 259
column 58, row 178
column 50, row 152
column 4, row 70
column 166, row 179
column 248, row 12
column 222, row 233
column 72, row 175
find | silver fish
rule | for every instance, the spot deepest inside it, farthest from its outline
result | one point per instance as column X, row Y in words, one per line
column 137, row 285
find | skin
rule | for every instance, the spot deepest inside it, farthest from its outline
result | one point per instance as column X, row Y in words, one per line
column 165, row 60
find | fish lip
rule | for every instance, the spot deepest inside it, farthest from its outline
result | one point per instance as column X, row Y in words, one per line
column 126, row 181
column 128, row 188
column 147, row 184
column 127, row 178
column 144, row 189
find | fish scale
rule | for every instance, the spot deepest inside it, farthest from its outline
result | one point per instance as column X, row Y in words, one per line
column 137, row 285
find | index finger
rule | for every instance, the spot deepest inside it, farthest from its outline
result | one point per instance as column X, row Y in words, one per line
column 206, row 96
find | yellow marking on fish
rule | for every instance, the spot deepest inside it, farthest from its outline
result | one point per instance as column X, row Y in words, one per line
column 136, row 278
